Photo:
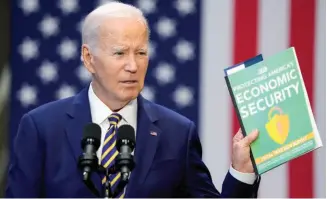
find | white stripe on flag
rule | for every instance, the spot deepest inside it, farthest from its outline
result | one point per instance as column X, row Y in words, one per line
column 216, row 40
column 273, row 37
column 320, row 99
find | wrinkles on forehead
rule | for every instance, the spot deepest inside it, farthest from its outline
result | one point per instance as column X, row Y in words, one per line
column 123, row 33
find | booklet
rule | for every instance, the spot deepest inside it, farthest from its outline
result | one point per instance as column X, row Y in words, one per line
column 270, row 95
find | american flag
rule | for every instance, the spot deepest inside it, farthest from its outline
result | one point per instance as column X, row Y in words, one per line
column 192, row 41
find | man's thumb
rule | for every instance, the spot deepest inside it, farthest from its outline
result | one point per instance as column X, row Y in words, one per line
column 251, row 137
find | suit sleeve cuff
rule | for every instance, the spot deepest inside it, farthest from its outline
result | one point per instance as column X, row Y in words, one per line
column 248, row 178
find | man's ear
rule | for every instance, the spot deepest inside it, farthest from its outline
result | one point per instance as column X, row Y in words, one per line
column 87, row 58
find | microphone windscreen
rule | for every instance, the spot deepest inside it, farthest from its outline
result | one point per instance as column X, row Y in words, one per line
column 92, row 131
column 126, row 132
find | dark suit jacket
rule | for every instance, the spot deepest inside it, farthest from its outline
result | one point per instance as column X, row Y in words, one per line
column 47, row 148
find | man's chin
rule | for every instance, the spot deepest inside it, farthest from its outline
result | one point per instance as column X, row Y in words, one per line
column 129, row 96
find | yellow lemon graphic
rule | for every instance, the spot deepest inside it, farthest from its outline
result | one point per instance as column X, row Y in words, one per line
column 278, row 125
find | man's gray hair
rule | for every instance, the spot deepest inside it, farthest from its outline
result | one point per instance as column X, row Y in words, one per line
column 114, row 9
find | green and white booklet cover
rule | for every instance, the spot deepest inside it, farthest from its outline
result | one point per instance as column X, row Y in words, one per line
column 270, row 96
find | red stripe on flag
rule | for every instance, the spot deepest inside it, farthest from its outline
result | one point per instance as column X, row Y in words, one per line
column 302, row 33
column 245, row 38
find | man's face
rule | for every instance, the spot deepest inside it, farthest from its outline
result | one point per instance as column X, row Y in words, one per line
column 121, row 59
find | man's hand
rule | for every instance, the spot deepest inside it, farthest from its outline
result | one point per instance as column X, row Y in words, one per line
column 241, row 160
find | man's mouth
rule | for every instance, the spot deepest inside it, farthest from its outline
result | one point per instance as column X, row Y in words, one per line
column 129, row 82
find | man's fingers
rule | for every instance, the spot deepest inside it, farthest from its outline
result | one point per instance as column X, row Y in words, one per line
column 250, row 138
column 238, row 136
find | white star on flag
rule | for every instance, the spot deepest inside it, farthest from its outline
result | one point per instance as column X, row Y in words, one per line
column 165, row 73
column 48, row 72
column 27, row 95
column 67, row 49
column 183, row 96
column 65, row 91
column 184, row 50
column 83, row 74
column 185, row 7
column 148, row 93
column 29, row 49
column 49, row 26
column 147, row 6
column 29, row 6
column 68, row 6
column 166, row 27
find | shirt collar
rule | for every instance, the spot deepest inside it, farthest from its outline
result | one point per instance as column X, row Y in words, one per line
column 100, row 112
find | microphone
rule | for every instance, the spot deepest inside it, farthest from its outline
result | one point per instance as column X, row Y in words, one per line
column 125, row 145
column 90, row 143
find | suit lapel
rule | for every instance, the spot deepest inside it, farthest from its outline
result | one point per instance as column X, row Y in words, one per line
column 147, row 138
column 80, row 115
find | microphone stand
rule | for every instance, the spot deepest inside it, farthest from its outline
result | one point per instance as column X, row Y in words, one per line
column 107, row 187
column 108, row 192
column 89, row 163
column 91, row 186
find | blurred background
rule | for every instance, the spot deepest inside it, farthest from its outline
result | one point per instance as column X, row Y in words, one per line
column 192, row 41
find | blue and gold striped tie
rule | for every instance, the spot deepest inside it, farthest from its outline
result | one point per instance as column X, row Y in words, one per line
column 109, row 151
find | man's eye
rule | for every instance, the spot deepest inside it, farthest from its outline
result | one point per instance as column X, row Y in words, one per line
column 119, row 53
column 142, row 53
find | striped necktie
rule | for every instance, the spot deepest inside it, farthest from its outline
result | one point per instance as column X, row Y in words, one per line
column 109, row 151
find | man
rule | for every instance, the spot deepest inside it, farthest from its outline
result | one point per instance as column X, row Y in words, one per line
column 168, row 150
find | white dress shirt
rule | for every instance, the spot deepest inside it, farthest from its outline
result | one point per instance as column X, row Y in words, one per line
column 100, row 113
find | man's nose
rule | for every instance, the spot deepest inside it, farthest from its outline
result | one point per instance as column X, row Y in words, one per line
column 131, row 65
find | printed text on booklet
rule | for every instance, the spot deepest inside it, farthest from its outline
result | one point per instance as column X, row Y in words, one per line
column 259, row 98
